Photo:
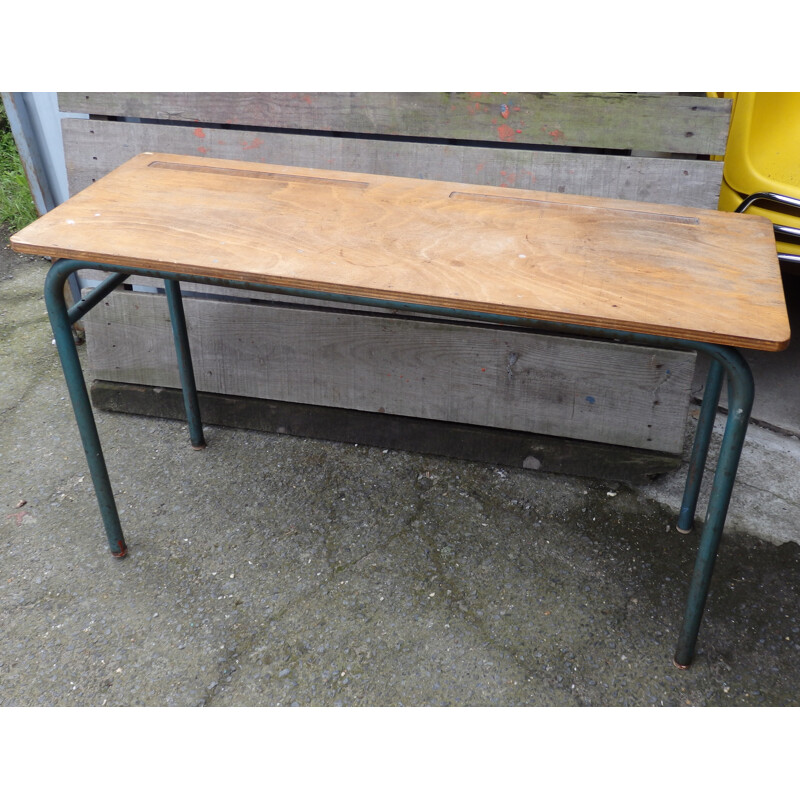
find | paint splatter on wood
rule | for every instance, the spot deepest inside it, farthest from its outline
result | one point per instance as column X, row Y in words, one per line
column 556, row 135
column 506, row 133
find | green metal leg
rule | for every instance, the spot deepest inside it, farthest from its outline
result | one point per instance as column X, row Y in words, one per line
column 740, row 404
column 68, row 353
column 191, row 404
column 702, row 439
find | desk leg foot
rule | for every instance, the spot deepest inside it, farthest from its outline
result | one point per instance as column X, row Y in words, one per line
column 122, row 551
column 179, row 334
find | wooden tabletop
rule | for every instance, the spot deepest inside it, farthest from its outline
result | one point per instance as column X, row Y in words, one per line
column 680, row 272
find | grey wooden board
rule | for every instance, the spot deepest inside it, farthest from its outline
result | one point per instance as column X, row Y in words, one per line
column 617, row 120
column 496, row 377
column 94, row 147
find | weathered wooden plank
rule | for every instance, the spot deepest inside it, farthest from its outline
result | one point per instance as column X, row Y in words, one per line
column 495, row 377
column 515, row 449
column 95, row 147
column 640, row 121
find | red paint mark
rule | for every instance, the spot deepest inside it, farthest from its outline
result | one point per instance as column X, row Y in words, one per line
column 18, row 515
column 199, row 133
column 519, row 130
column 479, row 168
column 202, row 150
column 557, row 135
column 123, row 550
column 483, row 369
column 474, row 95
column 516, row 108
column 307, row 100
column 506, row 133
column 251, row 145
column 504, row 111
column 510, row 178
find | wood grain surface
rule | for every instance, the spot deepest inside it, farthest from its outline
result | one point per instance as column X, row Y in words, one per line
column 665, row 270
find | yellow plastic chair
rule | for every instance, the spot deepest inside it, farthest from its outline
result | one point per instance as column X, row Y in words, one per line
column 761, row 173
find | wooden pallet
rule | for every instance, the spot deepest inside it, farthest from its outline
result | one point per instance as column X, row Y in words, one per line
column 631, row 146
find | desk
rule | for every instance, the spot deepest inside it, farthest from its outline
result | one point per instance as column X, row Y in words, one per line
column 633, row 272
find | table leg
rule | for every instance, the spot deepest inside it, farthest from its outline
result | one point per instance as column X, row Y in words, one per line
column 740, row 403
column 190, row 402
column 702, row 439
column 81, row 405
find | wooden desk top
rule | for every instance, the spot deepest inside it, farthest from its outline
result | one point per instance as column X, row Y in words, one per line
column 681, row 272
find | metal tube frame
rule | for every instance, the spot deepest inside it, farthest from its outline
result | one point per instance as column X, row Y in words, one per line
column 726, row 362
column 785, row 259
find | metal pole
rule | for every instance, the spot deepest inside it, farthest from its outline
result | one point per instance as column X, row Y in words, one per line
column 740, row 403
column 185, row 369
column 702, row 439
column 73, row 374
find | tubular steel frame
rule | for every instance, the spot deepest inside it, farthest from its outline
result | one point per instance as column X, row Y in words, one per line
column 785, row 259
column 726, row 363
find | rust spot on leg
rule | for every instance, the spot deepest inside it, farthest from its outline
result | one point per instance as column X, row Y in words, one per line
column 123, row 550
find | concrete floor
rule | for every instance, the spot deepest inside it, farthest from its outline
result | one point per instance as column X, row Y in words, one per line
column 271, row 570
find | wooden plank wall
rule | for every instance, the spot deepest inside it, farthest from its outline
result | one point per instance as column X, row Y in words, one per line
column 645, row 147
column 488, row 376
column 493, row 140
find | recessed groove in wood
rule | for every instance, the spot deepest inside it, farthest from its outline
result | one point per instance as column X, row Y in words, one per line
column 253, row 173
column 491, row 198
